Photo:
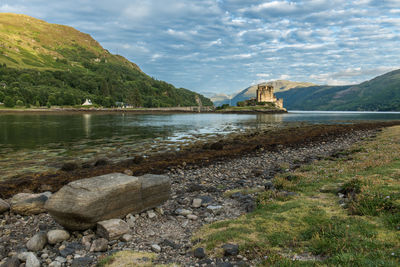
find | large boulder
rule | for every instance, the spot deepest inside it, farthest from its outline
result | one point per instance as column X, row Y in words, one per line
column 79, row 205
column 29, row 204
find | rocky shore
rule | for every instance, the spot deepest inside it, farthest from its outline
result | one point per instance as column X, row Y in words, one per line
column 200, row 194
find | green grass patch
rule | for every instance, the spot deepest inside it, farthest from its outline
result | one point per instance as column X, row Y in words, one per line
column 313, row 223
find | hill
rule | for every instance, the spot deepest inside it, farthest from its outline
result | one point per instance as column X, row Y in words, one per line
column 379, row 94
column 43, row 63
column 250, row 92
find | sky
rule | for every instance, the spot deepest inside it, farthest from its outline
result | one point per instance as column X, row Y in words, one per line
column 223, row 46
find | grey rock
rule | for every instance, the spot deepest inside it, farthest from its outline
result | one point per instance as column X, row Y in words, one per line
column 3, row 252
column 197, row 202
column 12, row 262
column 225, row 264
column 61, row 259
column 32, row 260
column 156, row 248
column 29, row 204
column 230, row 249
column 37, row 242
column 199, row 253
column 192, row 217
column 214, row 209
column 81, row 204
column 82, row 261
column 151, row 214
column 126, row 238
column 131, row 222
column 183, row 212
column 4, row 206
column 112, row 229
column 99, row 245
column 57, row 236
column 22, row 256
column 55, row 264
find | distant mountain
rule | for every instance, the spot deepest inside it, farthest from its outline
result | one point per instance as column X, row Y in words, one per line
column 54, row 64
column 379, row 94
column 220, row 99
column 250, row 92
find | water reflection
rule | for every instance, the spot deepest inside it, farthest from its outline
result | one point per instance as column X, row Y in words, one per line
column 86, row 124
column 40, row 142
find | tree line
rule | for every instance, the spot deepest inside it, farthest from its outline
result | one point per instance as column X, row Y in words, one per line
column 104, row 83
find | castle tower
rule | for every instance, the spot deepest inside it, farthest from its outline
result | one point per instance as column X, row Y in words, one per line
column 265, row 93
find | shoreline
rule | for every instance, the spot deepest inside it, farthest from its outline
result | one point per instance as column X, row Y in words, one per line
column 190, row 110
column 230, row 182
column 200, row 154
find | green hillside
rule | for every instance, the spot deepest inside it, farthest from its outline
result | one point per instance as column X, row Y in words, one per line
column 379, row 94
column 43, row 63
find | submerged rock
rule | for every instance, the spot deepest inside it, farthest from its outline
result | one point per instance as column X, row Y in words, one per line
column 69, row 166
column 81, row 204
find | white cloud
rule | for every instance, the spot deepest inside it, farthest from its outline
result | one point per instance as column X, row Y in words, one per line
column 224, row 45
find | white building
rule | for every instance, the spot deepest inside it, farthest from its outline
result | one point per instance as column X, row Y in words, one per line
column 88, row 102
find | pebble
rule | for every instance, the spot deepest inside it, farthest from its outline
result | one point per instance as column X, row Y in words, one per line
column 61, row 259
column 57, row 236
column 126, row 238
column 99, row 245
column 183, row 212
column 156, row 248
column 214, row 209
column 32, row 260
column 197, row 202
column 199, row 253
column 151, row 214
column 37, row 242
column 230, row 249
column 192, row 217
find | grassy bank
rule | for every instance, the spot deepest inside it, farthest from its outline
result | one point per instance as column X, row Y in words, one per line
column 252, row 109
column 343, row 210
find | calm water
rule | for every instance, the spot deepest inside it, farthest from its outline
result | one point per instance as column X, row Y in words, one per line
column 41, row 142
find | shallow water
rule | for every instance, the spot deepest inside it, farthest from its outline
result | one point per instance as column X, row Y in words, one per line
column 41, row 142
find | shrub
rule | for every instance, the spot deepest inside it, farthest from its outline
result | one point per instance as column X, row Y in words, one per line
column 19, row 103
column 9, row 102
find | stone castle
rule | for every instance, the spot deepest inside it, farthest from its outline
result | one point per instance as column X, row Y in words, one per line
column 265, row 93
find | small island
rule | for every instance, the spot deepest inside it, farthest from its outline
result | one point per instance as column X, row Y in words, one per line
column 264, row 102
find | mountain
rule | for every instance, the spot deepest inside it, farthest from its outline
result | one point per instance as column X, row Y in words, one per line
column 250, row 92
column 43, row 63
column 379, row 94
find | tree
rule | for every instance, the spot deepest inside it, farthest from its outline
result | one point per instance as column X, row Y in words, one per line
column 9, row 102
column 19, row 103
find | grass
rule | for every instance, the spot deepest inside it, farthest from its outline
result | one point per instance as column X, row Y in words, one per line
column 314, row 226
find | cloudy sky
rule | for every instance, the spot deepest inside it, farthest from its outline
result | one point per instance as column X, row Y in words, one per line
column 226, row 45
